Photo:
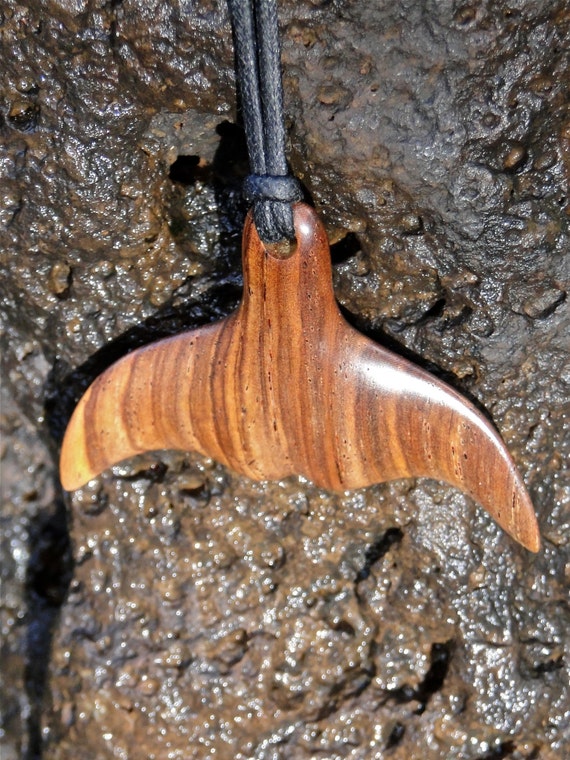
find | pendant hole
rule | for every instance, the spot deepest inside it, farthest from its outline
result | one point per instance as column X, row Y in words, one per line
column 284, row 249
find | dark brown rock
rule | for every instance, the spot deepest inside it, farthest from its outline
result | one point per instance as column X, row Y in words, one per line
column 209, row 614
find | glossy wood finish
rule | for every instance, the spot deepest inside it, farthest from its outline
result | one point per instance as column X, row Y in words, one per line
column 285, row 386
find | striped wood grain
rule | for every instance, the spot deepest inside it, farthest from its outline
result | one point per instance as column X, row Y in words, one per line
column 285, row 386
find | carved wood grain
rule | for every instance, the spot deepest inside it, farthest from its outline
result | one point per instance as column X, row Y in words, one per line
column 284, row 386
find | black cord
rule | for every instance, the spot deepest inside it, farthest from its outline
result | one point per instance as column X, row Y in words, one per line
column 269, row 187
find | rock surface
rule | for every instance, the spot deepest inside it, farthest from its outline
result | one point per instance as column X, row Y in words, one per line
column 206, row 615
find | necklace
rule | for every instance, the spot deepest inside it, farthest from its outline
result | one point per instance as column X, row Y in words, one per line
column 284, row 385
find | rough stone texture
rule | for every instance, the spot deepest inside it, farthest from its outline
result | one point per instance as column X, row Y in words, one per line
column 206, row 615
column 34, row 571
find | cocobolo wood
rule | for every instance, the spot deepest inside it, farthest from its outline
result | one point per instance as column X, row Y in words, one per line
column 285, row 386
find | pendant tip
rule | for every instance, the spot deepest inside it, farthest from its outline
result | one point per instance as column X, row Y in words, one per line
column 74, row 467
column 72, row 471
column 530, row 538
column 525, row 529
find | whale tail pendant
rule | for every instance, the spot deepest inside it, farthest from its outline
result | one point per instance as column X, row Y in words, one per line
column 285, row 386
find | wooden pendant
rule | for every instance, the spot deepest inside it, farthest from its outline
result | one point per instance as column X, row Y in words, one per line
column 285, row 386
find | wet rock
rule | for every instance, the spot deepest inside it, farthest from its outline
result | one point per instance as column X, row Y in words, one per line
column 207, row 614
column 34, row 562
column 23, row 115
column 542, row 303
column 60, row 279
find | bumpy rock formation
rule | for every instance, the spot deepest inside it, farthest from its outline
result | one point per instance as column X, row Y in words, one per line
column 172, row 609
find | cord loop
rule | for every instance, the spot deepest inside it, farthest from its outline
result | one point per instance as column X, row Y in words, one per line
column 270, row 187
column 284, row 189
